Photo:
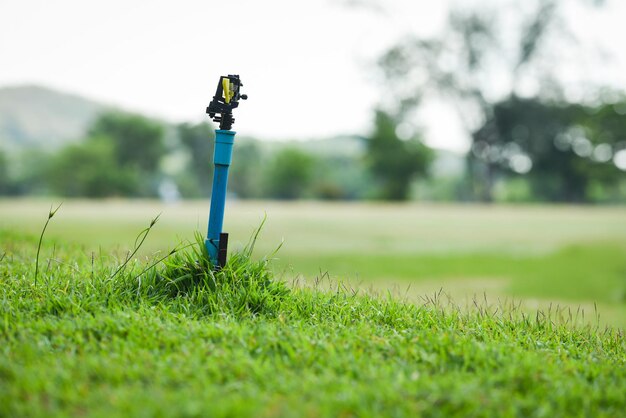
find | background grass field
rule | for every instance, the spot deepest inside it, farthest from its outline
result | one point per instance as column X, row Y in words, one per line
column 89, row 334
column 573, row 257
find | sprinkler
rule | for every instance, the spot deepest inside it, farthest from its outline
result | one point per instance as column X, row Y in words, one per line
column 221, row 110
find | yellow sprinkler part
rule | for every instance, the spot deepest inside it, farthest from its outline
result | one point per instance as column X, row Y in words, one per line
column 226, row 99
column 228, row 92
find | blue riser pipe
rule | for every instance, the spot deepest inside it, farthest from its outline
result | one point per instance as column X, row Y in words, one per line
column 222, row 158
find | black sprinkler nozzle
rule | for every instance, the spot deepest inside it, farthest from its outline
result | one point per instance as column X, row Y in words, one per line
column 226, row 99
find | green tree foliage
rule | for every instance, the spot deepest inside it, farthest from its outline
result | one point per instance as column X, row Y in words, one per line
column 198, row 140
column 458, row 67
column 342, row 177
column 562, row 148
column 245, row 178
column 138, row 141
column 245, row 174
column 4, row 174
column 89, row 169
column 120, row 157
column 30, row 172
column 395, row 163
column 290, row 174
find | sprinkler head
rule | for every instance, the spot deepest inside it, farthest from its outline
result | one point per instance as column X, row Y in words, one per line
column 225, row 100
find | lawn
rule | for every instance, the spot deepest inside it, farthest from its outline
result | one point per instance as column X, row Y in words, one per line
column 570, row 256
column 91, row 335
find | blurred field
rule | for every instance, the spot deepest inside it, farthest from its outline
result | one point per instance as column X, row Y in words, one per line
column 570, row 256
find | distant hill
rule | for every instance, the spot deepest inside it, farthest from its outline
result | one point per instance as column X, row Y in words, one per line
column 39, row 117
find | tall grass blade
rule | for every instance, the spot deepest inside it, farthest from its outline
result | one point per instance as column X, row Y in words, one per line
column 51, row 214
column 141, row 238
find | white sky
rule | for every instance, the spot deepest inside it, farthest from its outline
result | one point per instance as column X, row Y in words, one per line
column 306, row 65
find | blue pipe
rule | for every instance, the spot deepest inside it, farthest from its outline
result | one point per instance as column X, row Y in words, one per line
column 222, row 157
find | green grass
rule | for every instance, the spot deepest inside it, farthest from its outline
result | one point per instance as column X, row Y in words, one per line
column 571, row 256
column 577, row 272
column 105, row 335
column 317, row 229
column 588, row 276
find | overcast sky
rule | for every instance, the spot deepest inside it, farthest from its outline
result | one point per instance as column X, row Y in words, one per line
column 306, row 65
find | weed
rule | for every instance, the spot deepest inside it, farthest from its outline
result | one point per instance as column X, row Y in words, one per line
column 141, row 238
column 51, row 214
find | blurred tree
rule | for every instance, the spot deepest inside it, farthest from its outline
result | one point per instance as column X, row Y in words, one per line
column 30, row 172
column 245, row 178
column 138, row 141
column 342, row 177
column 289, row 174
column 90, row 169
column 599, row 146
column 393, row 162
column 136, row 148
column 5, row 183
column 561, row 148
column 460, row 66
column 199, row 140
